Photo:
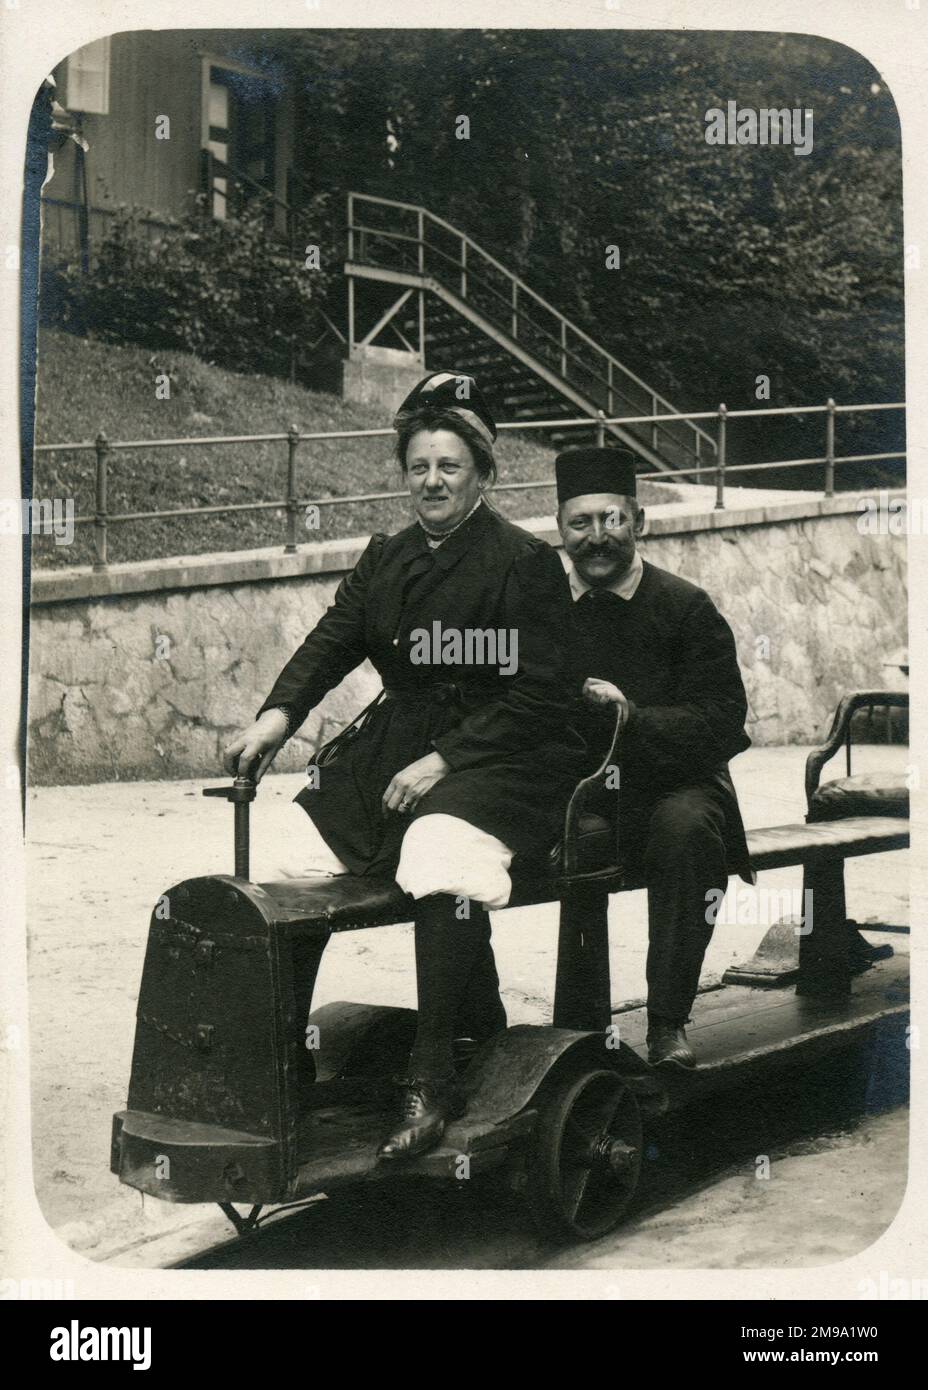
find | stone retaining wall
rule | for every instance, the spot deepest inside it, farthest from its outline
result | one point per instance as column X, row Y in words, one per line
column 144, row 671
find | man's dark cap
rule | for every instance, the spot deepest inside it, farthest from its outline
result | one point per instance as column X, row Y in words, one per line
column 582, row 472
column 453, row 391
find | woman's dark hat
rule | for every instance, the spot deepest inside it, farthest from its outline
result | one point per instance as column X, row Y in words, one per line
column 453, row 391
column 582, row 472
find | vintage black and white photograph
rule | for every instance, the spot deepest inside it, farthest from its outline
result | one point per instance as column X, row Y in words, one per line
column 466, row 724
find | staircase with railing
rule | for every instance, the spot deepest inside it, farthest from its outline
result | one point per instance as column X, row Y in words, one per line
column 458, row 306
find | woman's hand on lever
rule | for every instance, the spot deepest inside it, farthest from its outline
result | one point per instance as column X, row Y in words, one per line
column 253, row 750
column 412, row 783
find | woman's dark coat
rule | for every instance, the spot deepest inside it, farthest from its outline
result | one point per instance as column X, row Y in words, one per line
column 513, row 758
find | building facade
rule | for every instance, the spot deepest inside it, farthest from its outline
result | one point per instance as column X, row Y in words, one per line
column 157, row 118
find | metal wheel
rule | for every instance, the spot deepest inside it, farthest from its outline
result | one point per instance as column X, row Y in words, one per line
column 586, row 1157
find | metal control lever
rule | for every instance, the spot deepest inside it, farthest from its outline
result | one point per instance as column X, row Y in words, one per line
column 242, row 791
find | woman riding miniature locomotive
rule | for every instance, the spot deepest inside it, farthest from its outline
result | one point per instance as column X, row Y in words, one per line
column 462, row 762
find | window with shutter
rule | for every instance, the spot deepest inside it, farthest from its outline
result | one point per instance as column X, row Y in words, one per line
column 238, row 130
column 87, row 87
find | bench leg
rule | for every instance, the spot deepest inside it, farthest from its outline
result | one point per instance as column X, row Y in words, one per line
column 824, row 952
column 582, row 993
column 298, row 966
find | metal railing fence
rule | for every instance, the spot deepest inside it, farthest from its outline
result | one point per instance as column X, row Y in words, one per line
column 293, row 503
column 526, row 316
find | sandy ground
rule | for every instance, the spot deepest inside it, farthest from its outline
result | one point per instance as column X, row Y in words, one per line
column 812, row 1209
column 98, row 859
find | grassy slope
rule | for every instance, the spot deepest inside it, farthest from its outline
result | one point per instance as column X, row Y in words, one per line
column 88, row 386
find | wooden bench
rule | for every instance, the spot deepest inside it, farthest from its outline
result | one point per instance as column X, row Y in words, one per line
column 587, row 867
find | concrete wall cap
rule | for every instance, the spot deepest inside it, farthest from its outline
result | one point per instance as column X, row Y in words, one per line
column 183, row 572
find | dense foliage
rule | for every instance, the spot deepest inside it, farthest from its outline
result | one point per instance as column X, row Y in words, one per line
column 736, row 261
column 224, row 290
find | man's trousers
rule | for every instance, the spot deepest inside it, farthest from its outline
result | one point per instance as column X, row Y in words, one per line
column 676, row 842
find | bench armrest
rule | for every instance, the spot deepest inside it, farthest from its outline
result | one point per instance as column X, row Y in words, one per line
column 840, row 732
column 581, row 794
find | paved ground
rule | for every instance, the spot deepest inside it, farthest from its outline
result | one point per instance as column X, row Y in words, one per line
column 98, row 858
column 697, row 498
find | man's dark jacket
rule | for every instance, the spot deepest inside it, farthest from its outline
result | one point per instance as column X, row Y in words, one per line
column 672, row 654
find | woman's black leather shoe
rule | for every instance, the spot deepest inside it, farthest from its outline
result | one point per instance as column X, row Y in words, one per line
column 425, row 1110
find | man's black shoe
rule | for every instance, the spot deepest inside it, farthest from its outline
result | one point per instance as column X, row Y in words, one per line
column 667, row 1045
